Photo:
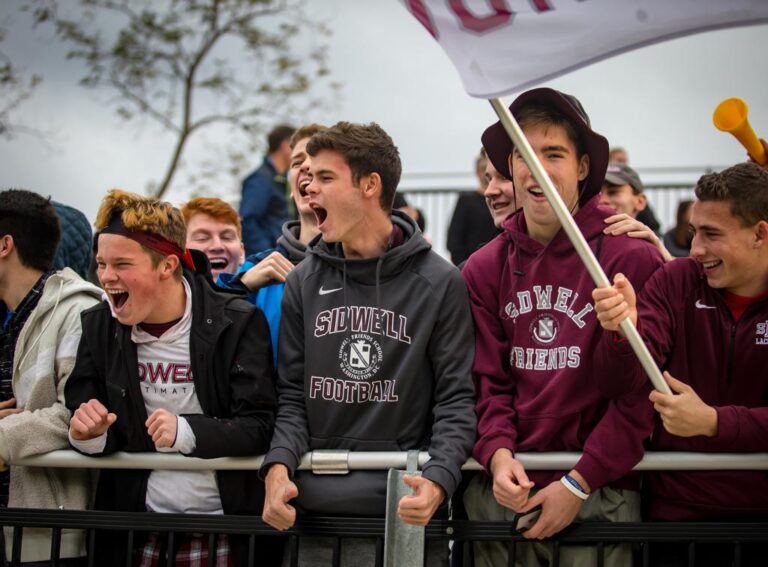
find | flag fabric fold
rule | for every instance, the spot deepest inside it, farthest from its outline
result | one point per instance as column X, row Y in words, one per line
column 504, row 46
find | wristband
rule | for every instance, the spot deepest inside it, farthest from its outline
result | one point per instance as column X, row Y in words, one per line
column 574, row 487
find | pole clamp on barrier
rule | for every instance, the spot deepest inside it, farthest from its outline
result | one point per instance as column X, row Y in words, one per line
column 330, row 461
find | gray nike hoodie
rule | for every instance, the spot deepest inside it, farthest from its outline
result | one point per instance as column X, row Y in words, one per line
column 375, row 355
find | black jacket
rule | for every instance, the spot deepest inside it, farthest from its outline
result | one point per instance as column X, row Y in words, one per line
column 230, row 354
column 471, row 226
column 375, row 355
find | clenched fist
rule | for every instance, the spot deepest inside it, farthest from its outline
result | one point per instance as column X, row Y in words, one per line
column 90, row 420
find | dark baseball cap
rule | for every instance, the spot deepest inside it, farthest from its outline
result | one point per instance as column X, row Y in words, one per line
column 498, row 145
column 621, row 174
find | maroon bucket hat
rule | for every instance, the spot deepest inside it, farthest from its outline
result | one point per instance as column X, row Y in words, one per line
column 498, row 146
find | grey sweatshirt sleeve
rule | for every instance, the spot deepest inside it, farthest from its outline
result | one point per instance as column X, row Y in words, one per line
column 291, row 438
column 451, row 351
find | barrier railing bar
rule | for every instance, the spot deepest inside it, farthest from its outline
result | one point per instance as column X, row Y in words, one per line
column 386, row 460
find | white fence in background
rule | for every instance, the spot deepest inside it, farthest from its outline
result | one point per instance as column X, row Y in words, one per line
column 436, row 195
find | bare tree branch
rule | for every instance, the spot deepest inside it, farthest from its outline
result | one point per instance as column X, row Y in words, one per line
column 16, row 86
column 170, row 60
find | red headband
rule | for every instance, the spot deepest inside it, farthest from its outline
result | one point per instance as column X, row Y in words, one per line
column 150, row 240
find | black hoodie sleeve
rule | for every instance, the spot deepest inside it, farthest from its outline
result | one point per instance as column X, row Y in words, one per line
column 291, row 438
column 451, row 351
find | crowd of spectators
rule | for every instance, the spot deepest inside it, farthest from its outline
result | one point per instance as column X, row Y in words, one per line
column 214, row 333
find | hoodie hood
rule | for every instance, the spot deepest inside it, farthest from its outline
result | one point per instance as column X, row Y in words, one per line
column 63, row 285
column 289, row 240
column 59, row 289
column 392, row 262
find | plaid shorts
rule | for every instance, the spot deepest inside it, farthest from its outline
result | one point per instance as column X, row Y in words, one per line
column 192, row 551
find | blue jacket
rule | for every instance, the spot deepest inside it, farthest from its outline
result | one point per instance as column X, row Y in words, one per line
column 263, row 207
column 269, row 298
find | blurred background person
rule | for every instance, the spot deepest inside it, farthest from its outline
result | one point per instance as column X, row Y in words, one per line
column 264, row 203
column 471, row 227
column 618, row 154
column 678, row 238
column 622, row 190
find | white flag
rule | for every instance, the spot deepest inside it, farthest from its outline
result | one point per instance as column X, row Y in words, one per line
column 503, row 46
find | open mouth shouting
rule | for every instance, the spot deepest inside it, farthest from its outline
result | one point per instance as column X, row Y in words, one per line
column 300, row 194
column 218, row 263
column 320, row 215
column 303, row 184
column 117, row 297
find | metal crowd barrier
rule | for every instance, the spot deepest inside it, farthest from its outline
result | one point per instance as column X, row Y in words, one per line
column 461, row 533
column 600, row 534
column 341, row 462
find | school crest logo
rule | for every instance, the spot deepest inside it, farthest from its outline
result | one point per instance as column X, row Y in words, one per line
column 360, row 356
column 544, row 329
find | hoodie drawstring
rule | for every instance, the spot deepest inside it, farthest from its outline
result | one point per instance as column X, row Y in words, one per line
column 346, row 303
column 45, row 327
column 379, row 262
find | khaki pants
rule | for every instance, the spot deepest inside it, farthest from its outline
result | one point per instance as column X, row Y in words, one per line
column 604, row 505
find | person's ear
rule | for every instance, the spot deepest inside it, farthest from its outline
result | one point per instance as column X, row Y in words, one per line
column 7, row 245
column 642, row 202
column 760, row 234
column 371, row 185
column 168, row 266
column 583, row 170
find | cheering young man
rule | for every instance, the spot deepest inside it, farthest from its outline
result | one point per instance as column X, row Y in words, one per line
column 705, row 321
column 535, row 331
column 168, row 364
column 375, row 349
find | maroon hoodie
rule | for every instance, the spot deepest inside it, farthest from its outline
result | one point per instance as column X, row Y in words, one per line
column 691, row 333
column 536, row 331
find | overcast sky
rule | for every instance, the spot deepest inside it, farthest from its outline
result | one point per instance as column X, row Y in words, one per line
column 656, row 101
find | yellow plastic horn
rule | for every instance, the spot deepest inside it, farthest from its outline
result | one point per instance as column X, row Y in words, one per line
column 731, row 116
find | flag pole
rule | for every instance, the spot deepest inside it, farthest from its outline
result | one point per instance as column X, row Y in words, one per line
column 575, row 236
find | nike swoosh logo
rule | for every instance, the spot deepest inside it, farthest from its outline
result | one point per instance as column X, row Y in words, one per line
column 700, row 305
column 327, row 291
